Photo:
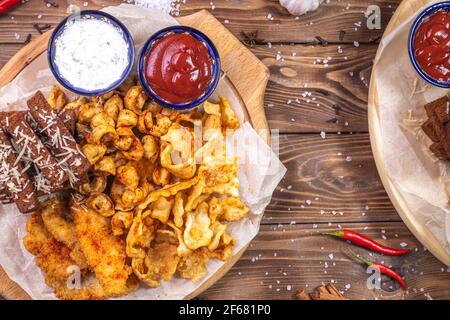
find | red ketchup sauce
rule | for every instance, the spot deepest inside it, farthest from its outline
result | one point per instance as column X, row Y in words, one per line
column 432, row 45
column 179, row 68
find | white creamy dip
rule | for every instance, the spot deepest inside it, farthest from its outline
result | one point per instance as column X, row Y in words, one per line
column 91, row 54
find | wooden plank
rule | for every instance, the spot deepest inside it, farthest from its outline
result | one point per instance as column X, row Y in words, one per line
column 243, row 16
column 340, row 72
column 336, row 174
column 282, row 260
column 7, row 51
column 275, row 24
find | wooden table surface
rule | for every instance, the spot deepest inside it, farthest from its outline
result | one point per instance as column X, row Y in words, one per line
column 332, row 181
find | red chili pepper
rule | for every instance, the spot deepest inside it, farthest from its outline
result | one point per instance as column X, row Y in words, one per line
column 389, row 272
column 381, row 267
column 6, row 4
column 365, row 242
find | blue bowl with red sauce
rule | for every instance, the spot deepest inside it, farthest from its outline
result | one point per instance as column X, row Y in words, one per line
column 153, row 91
column 424, row 17
column 90, row 14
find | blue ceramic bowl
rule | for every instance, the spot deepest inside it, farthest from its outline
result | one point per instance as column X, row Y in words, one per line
column 212, row 52
column 422, row 16
column 90, row 14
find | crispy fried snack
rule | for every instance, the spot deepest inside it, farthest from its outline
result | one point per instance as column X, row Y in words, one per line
column 53, row 257
column 55, row 216
column 140, row 236
column 57, row 98
column 160, row 262
column 193, row 266
column 156, row 202
column 104, row 252
column 198, row 233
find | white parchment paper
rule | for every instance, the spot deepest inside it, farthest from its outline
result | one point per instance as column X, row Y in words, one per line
column 415, row 172
column 258, row 179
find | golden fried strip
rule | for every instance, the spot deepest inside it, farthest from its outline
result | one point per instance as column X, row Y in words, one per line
column 52, row 257
column 104, row 252
column 53, row 215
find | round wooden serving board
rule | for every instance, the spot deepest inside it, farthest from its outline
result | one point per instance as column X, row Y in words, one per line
column 406, row 9
column 246, row 72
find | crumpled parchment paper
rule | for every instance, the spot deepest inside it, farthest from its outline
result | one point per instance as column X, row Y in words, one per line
column 417, row 175
column 258, row 179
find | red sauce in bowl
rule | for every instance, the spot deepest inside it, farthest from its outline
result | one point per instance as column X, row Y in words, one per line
column 432, row 45
column 179, row 68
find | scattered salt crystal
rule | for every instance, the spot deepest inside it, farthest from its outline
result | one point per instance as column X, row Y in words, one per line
column 72, row 9
column 165, row 6
column 278, row 56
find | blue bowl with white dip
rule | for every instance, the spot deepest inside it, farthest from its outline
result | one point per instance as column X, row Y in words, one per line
column 90, row 53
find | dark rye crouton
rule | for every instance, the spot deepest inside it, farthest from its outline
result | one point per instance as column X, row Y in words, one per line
column 33, row 148
column 15, row 182
column 428, row 128
column 439, row 151
column 442, row 111
column 63, row 144
column 439, row 108
column 438, row 127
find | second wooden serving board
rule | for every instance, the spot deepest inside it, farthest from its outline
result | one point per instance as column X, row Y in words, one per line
column 406, row 9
